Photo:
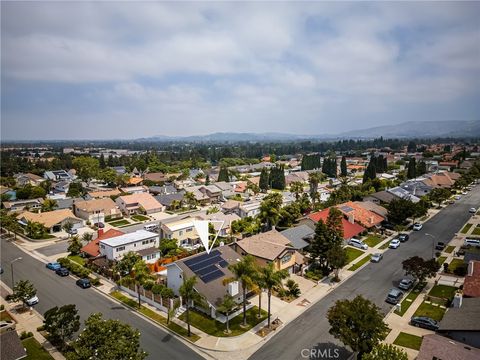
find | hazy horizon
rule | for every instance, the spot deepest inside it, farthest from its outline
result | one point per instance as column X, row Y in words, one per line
column 125, row 70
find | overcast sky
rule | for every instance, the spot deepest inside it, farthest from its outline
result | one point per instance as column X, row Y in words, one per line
column 102, row 70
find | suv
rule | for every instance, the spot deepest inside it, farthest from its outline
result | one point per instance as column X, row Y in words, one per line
column 358, row 244
column 472, row 242
column 472, row 210
column 394, row 296
column 32, row 301
column 440, row 246
column 84, row 283
column 62, row 271
column 395, row 243
column 376, row 257
column 406, row 284
column 417, row 226
column 424, row 322
column 403, row 237
column 53, row 266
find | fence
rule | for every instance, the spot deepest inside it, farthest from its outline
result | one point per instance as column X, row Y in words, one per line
column 150, row 298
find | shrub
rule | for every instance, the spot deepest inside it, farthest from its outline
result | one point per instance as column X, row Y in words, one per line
column 95, row 281
column 2, row 307
column 41, row 328
column 25, row 335
column 437, row 254
column 445, row 267
column 461, row 270
column 8, row 297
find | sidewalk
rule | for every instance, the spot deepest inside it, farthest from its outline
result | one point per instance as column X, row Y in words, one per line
column 29, row 321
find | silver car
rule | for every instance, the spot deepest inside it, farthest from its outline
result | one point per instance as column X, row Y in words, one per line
column 376, row 257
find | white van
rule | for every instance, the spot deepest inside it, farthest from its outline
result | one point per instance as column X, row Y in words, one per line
column 472, row 242
column 151, row 227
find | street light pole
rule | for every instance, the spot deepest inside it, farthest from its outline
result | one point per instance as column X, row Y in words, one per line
column 11, row 269
column 433, row 243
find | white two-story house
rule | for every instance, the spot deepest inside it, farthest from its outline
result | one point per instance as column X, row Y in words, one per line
column 143, row 242
column 183, row 230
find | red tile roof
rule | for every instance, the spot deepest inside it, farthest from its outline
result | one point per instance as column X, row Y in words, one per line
column 471, row 286
column 364, row 216
column 349, row 230
column 93, row 249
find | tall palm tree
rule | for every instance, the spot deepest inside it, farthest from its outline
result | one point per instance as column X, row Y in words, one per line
column 189, row 295
column 314, row 179
column 190, row 199
column 272, row 278
column 260, row 285
column 270, row 209
column 243, row 272
column 227, row 305
column 296, row 187
column 139, row 276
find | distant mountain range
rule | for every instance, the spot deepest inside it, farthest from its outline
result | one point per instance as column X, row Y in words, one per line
column 410, row 129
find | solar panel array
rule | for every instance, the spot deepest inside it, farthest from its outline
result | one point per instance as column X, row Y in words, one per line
column 205, row 266
column 346, row 208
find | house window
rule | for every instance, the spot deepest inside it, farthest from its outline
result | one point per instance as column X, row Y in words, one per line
column 286, row 258
column 189, row 229
column 180, row 233
column 102, row 246
column 152, row 240
column 121, row 248
column 144, row 242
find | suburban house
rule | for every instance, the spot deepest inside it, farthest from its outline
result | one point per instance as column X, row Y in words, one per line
column 52, row 220
column 92, row 249
column 231, row 207
column 471, row 285
column 120, row 170
column 61, row 186
column 401, row 193
column 442, row 179
column 223, row 230
column 461, row 322
column 381, row 197
column 249, row 208
column 181, row 229
column 355, row 213
column 200, row 196
column 58, row 175
column 166, row 189
column 104, row 193
column 156, row 177
column 28, row 179
column 211, row 271
column 417, row 187
column 226, row 189
column 437, row 347
column 20, row 205
column 213, row 192
column 167, row 200
column 300, row 236
column 139, row 203
column 134, row 189
column 143, row 242
column 373, row 207
column 12, row 348
column 350, row 229
column 96, row 210
column 271, row 247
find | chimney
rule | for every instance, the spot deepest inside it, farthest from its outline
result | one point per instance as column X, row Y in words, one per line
column 99, row 232
column 457, row 300
column 351, row 218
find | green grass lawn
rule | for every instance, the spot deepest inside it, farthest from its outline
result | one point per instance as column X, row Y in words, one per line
column 466, row 228
column 76, row 258
column 359, row 263
column 35, row 351
column 4, row 316
column 408, row 340
column 113, row 220
column 449, row 249
column 405, row 304
column 129, row 224
column 352, row 254
column 454, row 264
column 119, row 223
column 443, row 291
column 441, row 259
column 431, row 311
column 384, row 246
column 476, row 231
column 216, row 328
column 139, row 217
column 373, row 240
column 154, row 316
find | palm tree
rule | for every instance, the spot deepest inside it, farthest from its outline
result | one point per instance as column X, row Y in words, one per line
column 189, row 295
column 296, row 187
column 226, row 306
column 270, row 209
column 272, row 278
column 87, row 237
column 49, row 205
column 244, row 272
column 168, row 294
column 314, row 179
column 139, row 276
column 190, row 199
column 260, row 285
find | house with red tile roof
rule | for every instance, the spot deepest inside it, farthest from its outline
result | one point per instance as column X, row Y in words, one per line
column 471, row 285
column 356, row 213
column 93, row 248
column 350, row 229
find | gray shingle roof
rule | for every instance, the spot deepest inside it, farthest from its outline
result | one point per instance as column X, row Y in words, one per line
column 464, row 318
column 12, row 348
column 297, row 234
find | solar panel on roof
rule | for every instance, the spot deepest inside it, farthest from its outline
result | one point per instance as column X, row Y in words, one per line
column 223, row 263
column 206, row 270
column 204, row 263
column 212, row 276
column 346, row 208
column 202, row 257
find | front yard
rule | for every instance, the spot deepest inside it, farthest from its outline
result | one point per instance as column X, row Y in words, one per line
column 359, row 263
column 430, row 310
column 454, row 264
column 441, row 259
column 476, row 231
column 409, row 341
column 119, row 223
column 140, row 218
column 466, row 228
column 352, row 254
column 443, row 291
column 76, row 258
column 373, row 240
column 35, row 351
column 408, row 301
column 215, row 328
column 449, row 249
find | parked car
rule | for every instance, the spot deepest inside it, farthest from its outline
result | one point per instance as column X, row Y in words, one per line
column 376, row 257
column 387, row 225
column 394, row 296
column 472, row 242
column 424, row 322
column 62, row 271
column 100, row 225
column 472, row 210
column 451, row 201
column 464, row 192
column 53, row 266
column 84, row 283
column 73, row 231
column 395, row 243
column 440, row 246
column 358, row 244
column 6, row 326
column 457, row 197
column 403, row 237
column 417, row 226
column 406, row 283
column 32, row 301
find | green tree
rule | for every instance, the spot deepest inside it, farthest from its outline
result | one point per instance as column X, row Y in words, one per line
column 74, row 245
column 439, row 195
column 75, row 189
column 420, row 268
column 87, row 167
column 61, row 323
column 253, row 187
column 421, row 168
column 385, row 352
column 296, row 187
column 22, row 291
column 190, row 199
column 371, row 170
column 244, row 271
column 35, row 230
column 337, row 258
column 226, row 306
column 271, row 278
column 270, row 209
column 87, row 237
column 67, row 227
column 139, row 276
column 277, row 177
column 314, row 179
column 223, row 174
column 168, row 294
column 412, row 169
column 399, row 210
column 358, row 323
column 49, row 205
column 190, row 296
column 107, row 340
column 292, row 288
column 125, row 265
column 343, row 166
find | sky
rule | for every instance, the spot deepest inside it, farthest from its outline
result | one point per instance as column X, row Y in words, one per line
column 123, row 70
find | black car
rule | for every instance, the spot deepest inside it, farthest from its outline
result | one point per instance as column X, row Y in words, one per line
column 440, row 246
column 84, row 283
column 424, row 322
column 387, row 225
column 62, row 271
column 403, row 237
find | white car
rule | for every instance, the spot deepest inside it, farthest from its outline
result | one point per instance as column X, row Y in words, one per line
column 417, row 226
column 358, row 244
column 472, row 210
column 464, row 193
column 376, row 257
column 32, row 301
column 457, row 197
column 395, row 243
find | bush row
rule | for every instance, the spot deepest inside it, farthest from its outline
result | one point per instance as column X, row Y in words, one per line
column 74, row 268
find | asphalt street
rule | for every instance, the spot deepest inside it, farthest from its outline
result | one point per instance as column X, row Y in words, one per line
column 57, row 248
column 373, row 282
column 54, row 290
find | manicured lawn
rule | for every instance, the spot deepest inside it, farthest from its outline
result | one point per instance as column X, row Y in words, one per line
column 373, row 240
column 431, row 311
column 359, row 263
column 411, row 296
column 466, row 228
column 352, row 254
column 113, row 220
column 216, row 328
column 384, row 246
column 4, row 316
column 119, row 223
column 139, row 217
column 476, row 231
column 77, row 259
column 443, row 291
column 129, row 224
column 449, row 249
column 408, row 340
column 441, row 259
column 454, row 264
column 35, row 351
column 154, row 316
